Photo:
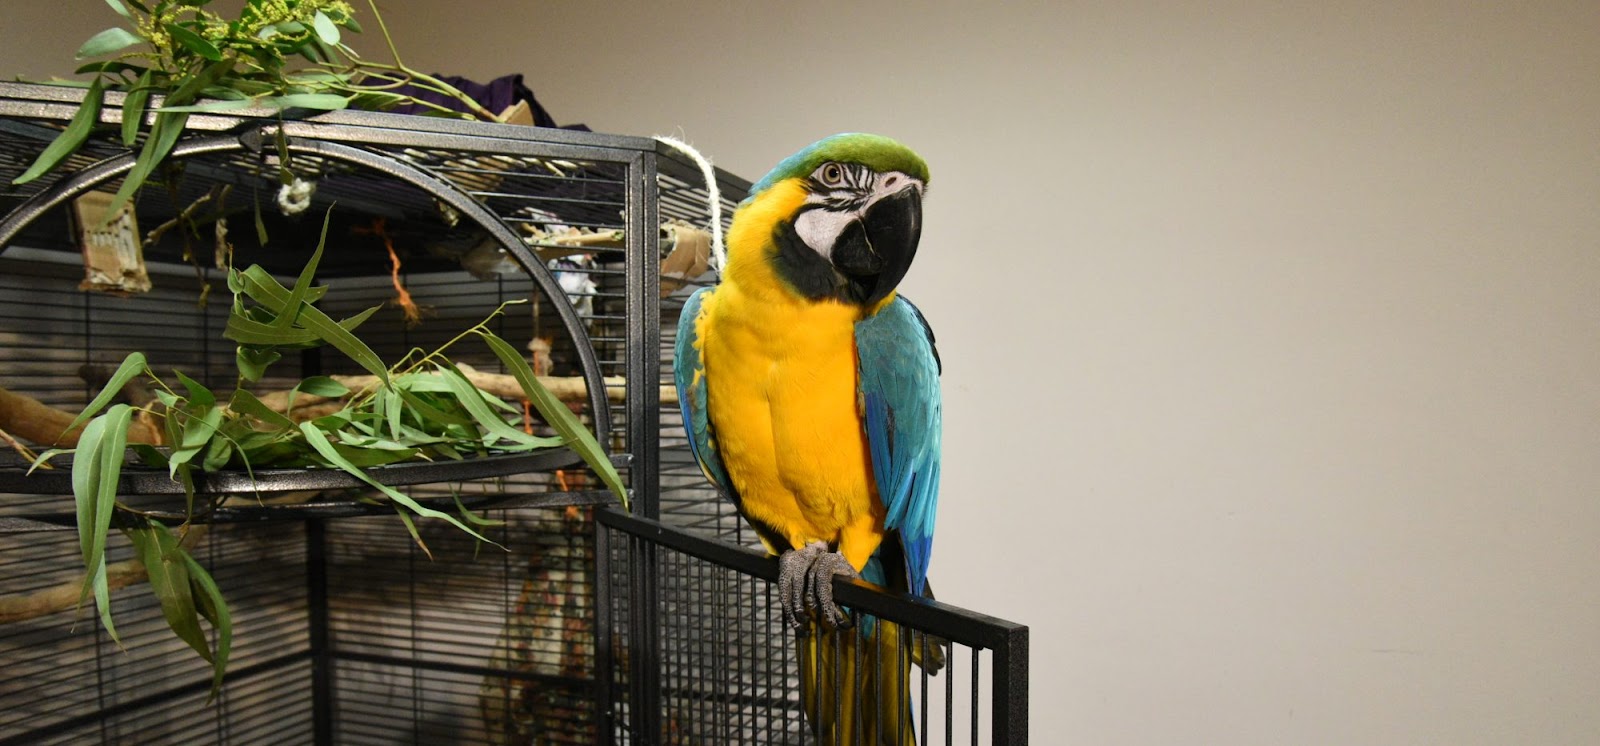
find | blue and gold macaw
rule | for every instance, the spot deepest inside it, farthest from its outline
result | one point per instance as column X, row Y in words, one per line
column 810, row 392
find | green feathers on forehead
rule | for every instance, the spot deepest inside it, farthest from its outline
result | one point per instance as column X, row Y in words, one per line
column 876, row 152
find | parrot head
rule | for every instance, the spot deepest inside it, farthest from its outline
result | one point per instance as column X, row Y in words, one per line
column 838, row 220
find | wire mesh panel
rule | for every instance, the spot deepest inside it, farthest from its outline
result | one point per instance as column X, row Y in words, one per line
column 687, row 499
column 65, row 676
column 475, row 644
column 718, row 663
column 368, row 636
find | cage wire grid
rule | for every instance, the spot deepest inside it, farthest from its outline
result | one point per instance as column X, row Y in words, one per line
column 346, row 631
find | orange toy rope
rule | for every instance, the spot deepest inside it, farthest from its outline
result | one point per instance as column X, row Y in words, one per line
column 402, row 299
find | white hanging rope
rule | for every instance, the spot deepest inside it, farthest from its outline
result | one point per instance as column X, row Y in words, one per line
column 713, row 195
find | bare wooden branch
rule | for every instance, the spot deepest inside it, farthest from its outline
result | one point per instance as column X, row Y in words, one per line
column 64, row 596
column 569, row 389
column 29, row 419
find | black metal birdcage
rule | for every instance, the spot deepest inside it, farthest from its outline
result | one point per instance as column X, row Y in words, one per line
column 585, row 625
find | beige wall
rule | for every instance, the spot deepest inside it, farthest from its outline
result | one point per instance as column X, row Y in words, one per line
column 1271, row 330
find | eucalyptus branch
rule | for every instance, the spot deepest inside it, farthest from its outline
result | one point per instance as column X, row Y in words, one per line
column 383, row 27
column 428, row 82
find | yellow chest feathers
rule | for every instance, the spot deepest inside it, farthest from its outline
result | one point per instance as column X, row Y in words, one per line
column 782, row 395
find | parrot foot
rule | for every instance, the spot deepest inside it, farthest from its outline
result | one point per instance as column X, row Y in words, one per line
column 805, row 584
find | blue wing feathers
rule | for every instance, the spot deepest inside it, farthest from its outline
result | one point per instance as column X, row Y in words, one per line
column 899, row 371
column 689, row 375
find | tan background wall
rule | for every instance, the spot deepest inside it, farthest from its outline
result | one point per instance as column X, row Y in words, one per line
column 1271, row 330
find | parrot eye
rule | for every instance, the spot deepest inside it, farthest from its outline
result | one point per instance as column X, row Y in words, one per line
column 832, row 174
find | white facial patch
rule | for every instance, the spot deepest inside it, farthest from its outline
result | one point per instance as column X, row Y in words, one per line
column 832, row 210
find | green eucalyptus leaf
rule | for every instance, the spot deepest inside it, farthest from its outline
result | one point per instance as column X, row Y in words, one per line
column 366, row 457
column 327, row 31
column 102, row 600
column 323, row 386
column 99, row 498
column 162, row 558
column 325, row 449
column 411, row 528
column 85, row 488
column 444, row 449
column 113, row 39
column 194, row 42
column 44, row 458
column 248, row 332
column 470, row 516
column 334, row 421
column 198, row 429
column 556, row 413
column 319, row 101
column 193, row 85
column 218, row 452
column 275, row 453
column 316, row 77
column 393, row 410
column 111, row 67
column 163, row 135
column 184, row 474
column 432, row 414
column 122, row 10
column 253, row 361
column 131, row 367
column 302, row 284
column 71, row 138
column 378, row 100
column 215, row 609
column 149, row 455
column 200, row 397
column 260, row 286
column 229, row 92
column 261, row 225
column 246, row 403
column 335, row 334
column 493, row 426
column 226, row 104
column 133, row 108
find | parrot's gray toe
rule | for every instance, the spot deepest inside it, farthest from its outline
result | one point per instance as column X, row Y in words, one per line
column 805, row 585
column 793, row 568
column 820, row 579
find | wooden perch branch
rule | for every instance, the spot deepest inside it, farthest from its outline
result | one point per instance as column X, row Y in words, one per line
column 64, row 596
column 565, row 388
column 29, row 419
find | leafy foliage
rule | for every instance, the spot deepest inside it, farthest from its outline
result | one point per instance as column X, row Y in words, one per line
column 423, row 407
column 277, row 55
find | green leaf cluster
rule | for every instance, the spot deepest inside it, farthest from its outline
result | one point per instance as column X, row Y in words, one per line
column 277, row 55
column 423, row 407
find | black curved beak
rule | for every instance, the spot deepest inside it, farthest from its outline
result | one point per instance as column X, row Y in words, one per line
column 875, row 252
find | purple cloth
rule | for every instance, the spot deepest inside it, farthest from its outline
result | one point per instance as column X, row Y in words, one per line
column 496, row 96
